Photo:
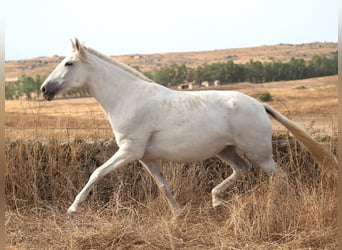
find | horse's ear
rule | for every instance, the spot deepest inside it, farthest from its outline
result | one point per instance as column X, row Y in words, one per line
column 78, row 46
column 72, row 44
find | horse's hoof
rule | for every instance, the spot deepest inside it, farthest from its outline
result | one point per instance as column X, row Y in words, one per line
column 217, row 202
column 71, row 211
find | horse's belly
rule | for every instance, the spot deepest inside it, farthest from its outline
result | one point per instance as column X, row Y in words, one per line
column 184, row 148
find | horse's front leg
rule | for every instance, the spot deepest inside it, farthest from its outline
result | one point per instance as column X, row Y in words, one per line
column 126, row 154
column 154, row 171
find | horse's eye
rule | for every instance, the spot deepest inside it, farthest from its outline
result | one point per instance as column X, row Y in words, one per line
column 68, row 64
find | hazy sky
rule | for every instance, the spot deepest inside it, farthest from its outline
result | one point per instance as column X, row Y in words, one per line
column 44, row 28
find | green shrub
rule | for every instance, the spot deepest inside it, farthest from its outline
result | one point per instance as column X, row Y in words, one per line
column 265, row 97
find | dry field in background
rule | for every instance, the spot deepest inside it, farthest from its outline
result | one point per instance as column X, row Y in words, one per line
column 50, row 153
column 305, row 101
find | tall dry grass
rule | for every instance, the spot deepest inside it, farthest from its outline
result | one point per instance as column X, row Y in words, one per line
column 125, row 210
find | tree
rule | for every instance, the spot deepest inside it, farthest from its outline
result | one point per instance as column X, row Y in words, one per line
column 200, row 74
column 234, row 72
column 323, row 65
column 181, row 72
column 10, row 91
column 191, row 75
column 164, row 76
column 269, row 71
column 280, row 71
column 214, row 72
column 297, row 69
column 27, row 86
column 255, row 71
column 37, row 83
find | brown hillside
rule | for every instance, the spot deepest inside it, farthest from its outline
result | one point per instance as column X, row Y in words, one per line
column 148, row 62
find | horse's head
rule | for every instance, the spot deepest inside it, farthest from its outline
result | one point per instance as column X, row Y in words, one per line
column 71, row 73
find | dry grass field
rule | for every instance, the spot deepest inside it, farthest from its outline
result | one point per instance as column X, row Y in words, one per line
column 52, row 147
column 306, row 101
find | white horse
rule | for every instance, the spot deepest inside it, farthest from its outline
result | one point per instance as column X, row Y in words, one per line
column 152, row 122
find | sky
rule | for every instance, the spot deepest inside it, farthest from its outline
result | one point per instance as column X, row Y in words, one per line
column 44, row 28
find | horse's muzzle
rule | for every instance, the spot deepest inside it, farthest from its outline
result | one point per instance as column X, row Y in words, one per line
column 49, row 91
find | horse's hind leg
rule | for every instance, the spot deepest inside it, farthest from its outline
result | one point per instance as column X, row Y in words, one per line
column 239, row 167
column 265, row 162
column 263, row 158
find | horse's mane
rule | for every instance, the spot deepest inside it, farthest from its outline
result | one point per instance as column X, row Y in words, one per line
column 121, row 65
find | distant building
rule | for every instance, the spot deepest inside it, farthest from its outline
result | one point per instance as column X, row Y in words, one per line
column 188, row 85
column 217, row 83
column 207, row 84
column 11, row 79
column 193, row 85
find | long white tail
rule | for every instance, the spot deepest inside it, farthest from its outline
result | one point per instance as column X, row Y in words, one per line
column 324, row 158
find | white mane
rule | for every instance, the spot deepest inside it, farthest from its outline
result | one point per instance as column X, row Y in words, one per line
column 121, row 65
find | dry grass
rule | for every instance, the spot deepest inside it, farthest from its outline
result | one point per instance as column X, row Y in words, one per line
column 64, row 118
column 125, row 210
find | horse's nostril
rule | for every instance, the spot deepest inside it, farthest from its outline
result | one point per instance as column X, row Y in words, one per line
column 43, row 89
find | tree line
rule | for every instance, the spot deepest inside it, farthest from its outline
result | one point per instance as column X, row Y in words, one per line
column 225, row 72
column 29, row 87
column 25, row 86
column 252, row 71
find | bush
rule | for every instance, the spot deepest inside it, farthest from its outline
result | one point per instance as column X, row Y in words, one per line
column 265, row 97
column 10, row 91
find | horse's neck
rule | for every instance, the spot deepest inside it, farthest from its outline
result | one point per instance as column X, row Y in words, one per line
column 115, row 88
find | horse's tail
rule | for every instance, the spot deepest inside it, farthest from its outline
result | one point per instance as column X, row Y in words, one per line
column 323, row 157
